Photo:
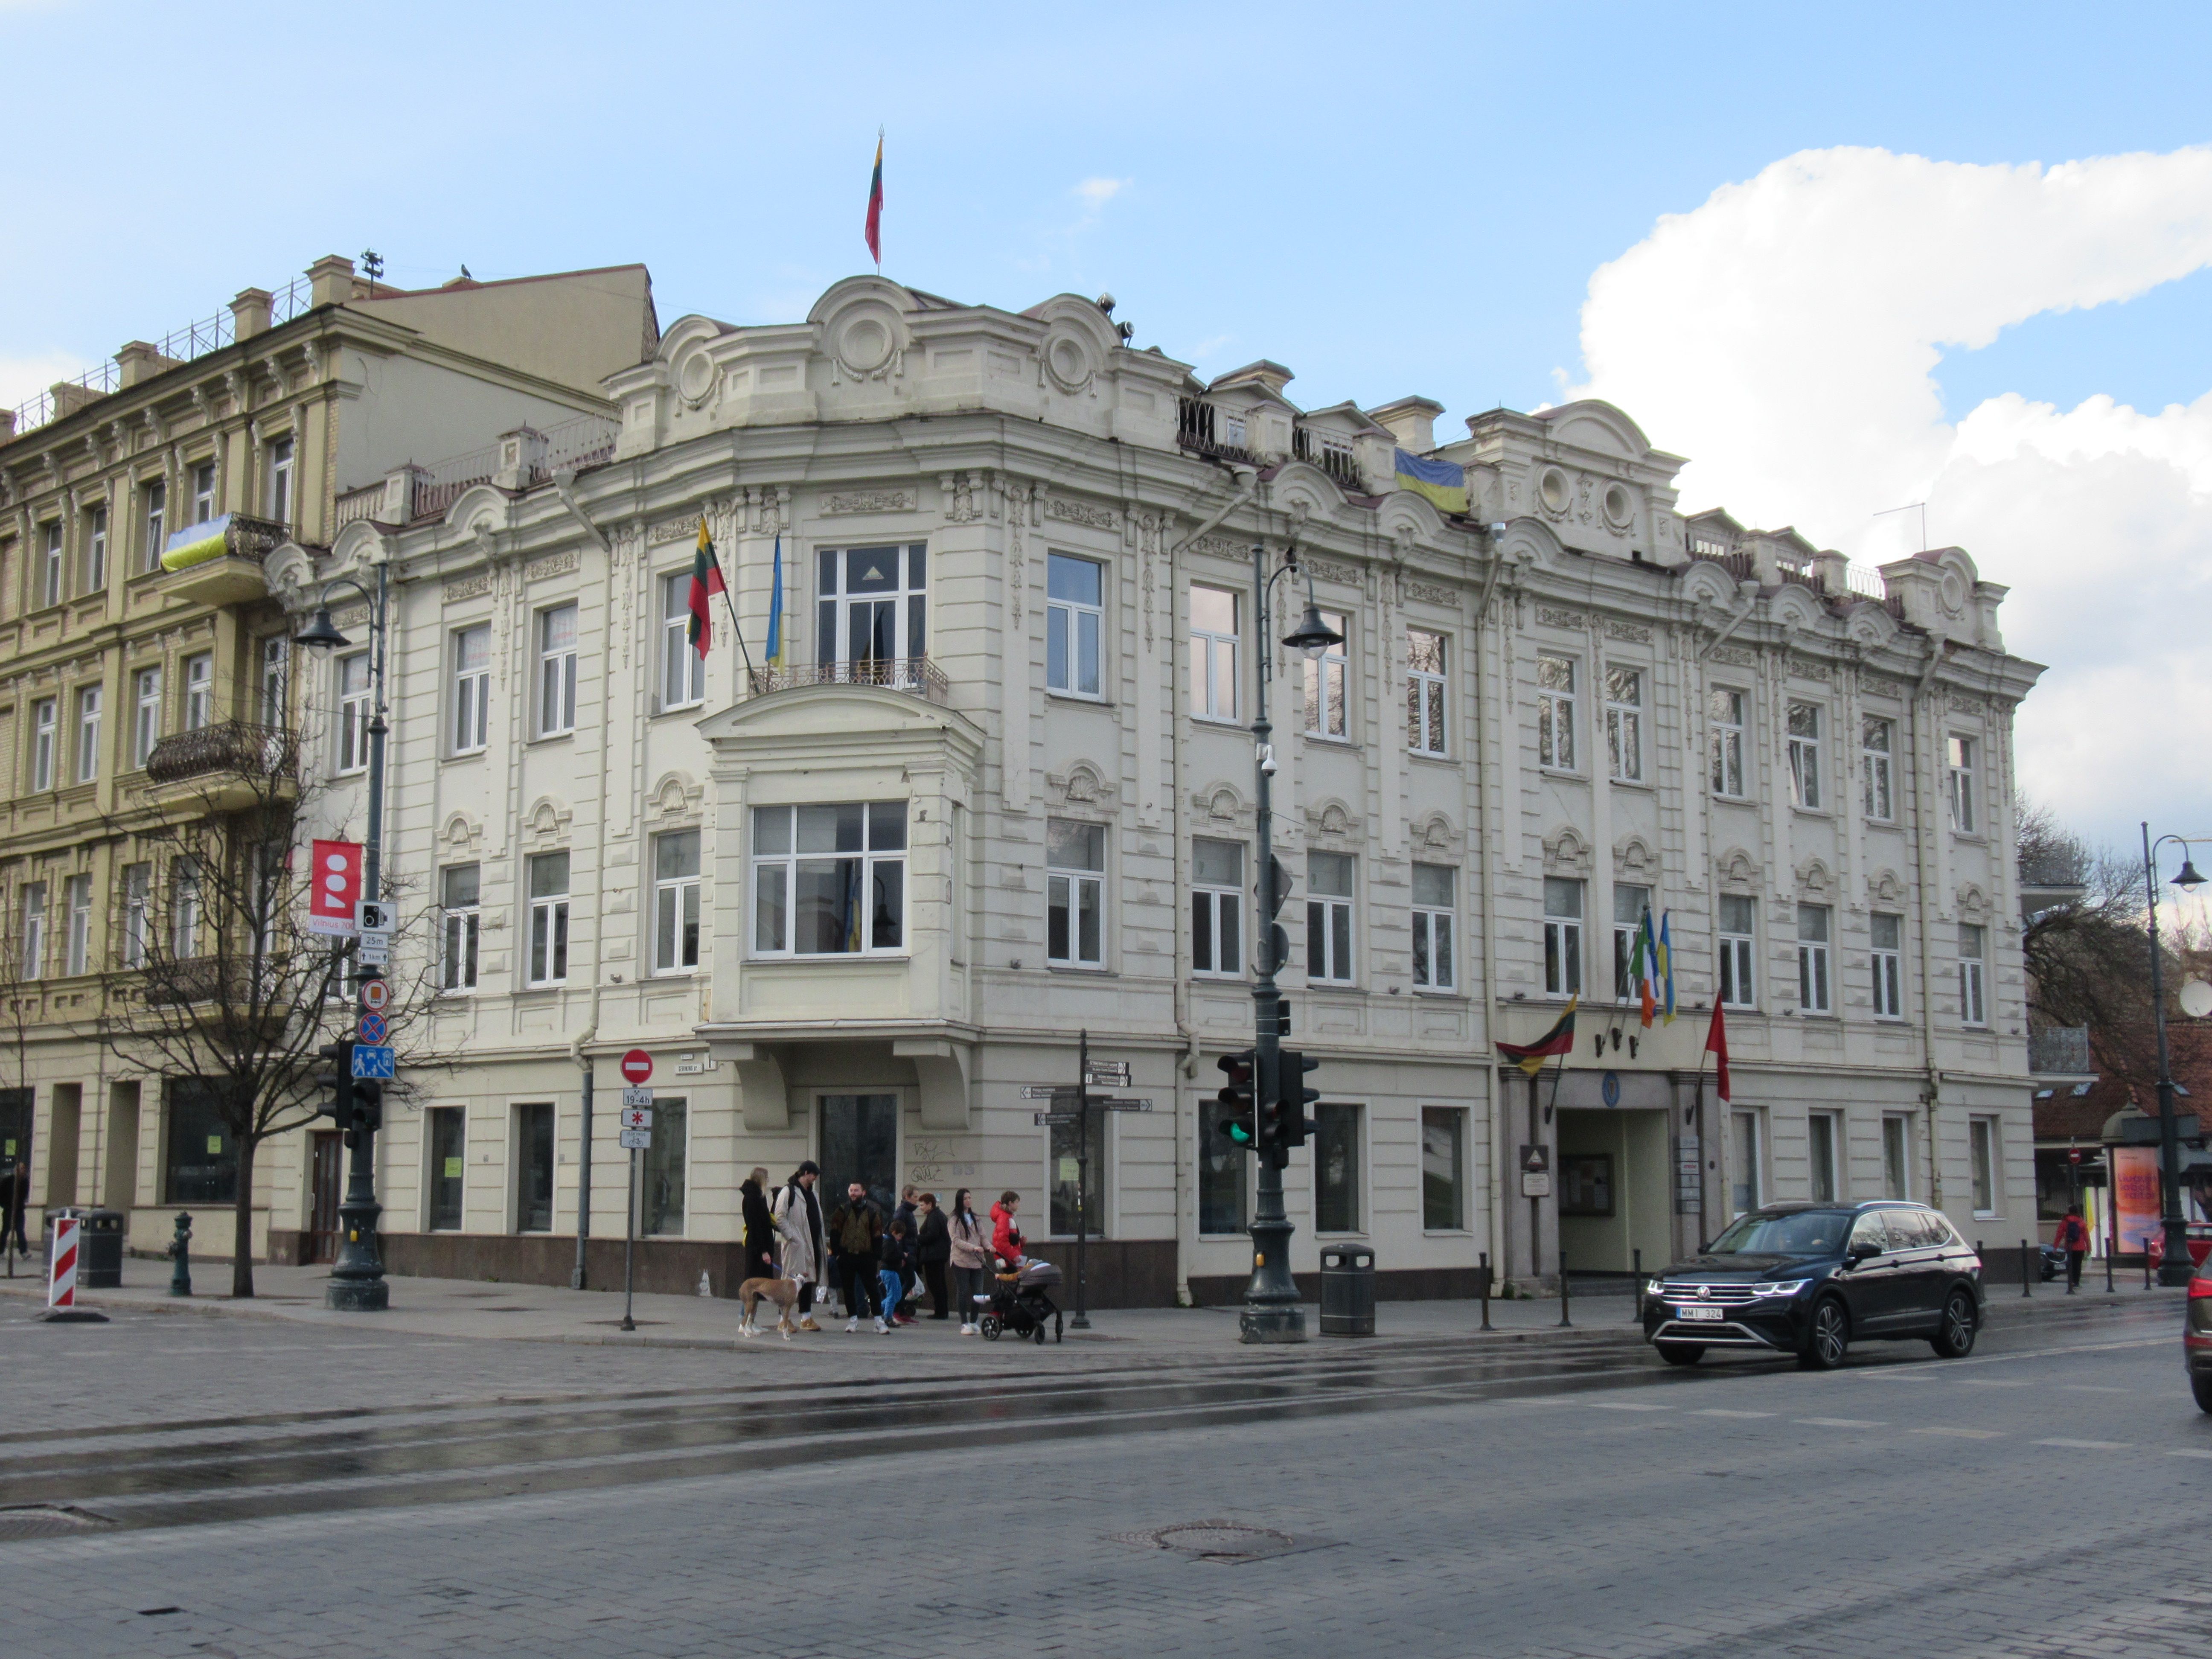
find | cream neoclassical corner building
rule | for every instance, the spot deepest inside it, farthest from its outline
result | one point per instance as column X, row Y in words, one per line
column 1000, row 791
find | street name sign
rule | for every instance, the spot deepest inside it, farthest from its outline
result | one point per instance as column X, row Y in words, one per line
column 1042, row 1118
column 1114, row 1073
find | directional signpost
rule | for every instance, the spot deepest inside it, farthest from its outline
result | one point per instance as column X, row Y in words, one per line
column 1072, row 1104
column 637, row 1136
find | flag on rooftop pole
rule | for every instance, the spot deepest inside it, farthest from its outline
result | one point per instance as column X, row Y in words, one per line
column 1443, row 483
column 876, row 206
column 1560, row 1040
column 775, row 654
column 706, row 582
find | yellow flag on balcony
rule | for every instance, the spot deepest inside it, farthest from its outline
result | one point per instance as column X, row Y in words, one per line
column 196, row 543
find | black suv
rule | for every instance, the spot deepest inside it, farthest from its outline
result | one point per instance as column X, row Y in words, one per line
column 1812, row 1278
column 2196, row 1334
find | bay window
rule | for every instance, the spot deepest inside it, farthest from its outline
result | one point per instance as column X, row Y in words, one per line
column 829, row 880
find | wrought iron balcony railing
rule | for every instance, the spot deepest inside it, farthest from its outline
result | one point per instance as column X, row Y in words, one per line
column 916, row 675
column 231, row 747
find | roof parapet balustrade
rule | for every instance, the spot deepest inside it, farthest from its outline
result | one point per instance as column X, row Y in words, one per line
column 219, row 562
column 1207, row 430
column 1332, row 455
column 228, row 766
column 916, row 675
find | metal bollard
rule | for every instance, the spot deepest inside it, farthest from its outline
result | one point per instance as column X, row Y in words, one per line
column 1484, row 1271
column 180, row 1250
column 1563, row 1320
column 1636, row 1289
column 2027, row 1269
column 2108, row 1266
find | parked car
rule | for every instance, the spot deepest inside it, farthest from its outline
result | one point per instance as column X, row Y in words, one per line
column 2054, row 1262
column 1810, row 1279
column 2196, row 1334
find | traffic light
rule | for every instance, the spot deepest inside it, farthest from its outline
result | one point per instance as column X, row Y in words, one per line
column 368, row 1106
column 340, row 1107
column 1292, row 1097
column 1269, row 1109
column 1235, row 1099
column 1273, row 893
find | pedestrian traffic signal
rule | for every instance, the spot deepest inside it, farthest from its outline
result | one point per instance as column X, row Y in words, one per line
column 1235, row 1099
column 1293, row 1096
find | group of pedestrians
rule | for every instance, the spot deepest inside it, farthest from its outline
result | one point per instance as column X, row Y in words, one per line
column 880, row 1264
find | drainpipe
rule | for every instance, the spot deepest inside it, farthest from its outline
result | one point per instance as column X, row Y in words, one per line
column 1931, row 1092
column 1748, row 592
column 1478, row 837
column 564, row 485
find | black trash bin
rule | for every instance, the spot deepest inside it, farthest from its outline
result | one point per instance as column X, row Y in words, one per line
column 1347, row 1290
column 99, row 1245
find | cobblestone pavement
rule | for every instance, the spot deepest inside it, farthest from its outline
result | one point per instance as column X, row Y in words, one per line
column 1432, row 1496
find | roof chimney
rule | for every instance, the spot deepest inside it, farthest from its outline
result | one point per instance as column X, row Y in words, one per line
column 249, row 314
column 1412, row 421
column 332, row 279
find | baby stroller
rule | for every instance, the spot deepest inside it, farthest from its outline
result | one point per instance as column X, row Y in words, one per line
column 1021, row 1302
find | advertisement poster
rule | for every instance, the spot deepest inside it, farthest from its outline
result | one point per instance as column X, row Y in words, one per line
column 2135, row 1196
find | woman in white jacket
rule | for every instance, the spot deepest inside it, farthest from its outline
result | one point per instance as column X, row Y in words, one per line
column 799, row 1224
column 971, row 1255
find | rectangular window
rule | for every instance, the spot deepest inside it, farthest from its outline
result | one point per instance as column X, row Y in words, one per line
column 1563, row 937
column 1328, row 918
column 1214, row 644
column 203, row 492
column 683, row 668
column 1629, row 904
column 146, row 728
column 200, row 1165
column 661, row 1204
column 33, row 933
column 1805, row 755
column 45, row 715
column 1877, row 793
column 76, row 951
column 1435, row 963
column 1896, row 1157
column 471, row 689
column 1738, row 936
column 1068, row 1180
column 1217, row 907
column 352, row 712
column 1328, row 684
column 1221, row 1178
column 1075, row 894
column 460, row 891
column 1971, row 948
column 533, row 1169
column 872, row 609
column 676, row 903
column 280, row 482
column 1724, row 740
column 199, row 691
column 274, row 709
column 1074, row 625
column 1425, row 691
column 1745, row 1183
column 829, row 880
column 549, row 919
column 137, row 898
column 1813, row 921
column 449, row 1152
column 557, row 671
column 51, row 577
column 1822, row 1157
column 1888, row 960
column 1982, row 1144
column 87, row 734
column 1623, row 723
column 95, row 549
column 1336, row 1169
column 1959, row 754
column 155, row 525
column 1555, row 713
column 183, row 909
column 1443, row 1170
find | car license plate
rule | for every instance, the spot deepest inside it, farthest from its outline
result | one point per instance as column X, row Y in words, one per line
column 1700, row 1312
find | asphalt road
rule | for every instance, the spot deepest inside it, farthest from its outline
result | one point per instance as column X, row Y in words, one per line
column 227, row 1487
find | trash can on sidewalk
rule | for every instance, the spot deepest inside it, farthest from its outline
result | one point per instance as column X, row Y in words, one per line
column 99, row 1245
column 1347, row 1290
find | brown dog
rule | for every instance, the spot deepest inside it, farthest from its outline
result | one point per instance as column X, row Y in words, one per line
column 784, row 1292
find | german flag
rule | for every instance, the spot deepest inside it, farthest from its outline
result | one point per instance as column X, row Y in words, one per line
column 1560, row 1040
column 706, row 582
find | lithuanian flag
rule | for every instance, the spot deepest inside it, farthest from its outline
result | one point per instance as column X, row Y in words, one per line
column 1444, row 484
column 875, row 228
column 706, row 582
column 1560, row 1040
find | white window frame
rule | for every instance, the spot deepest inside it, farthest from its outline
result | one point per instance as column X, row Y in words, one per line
column 461, row 932
column 1427, row 692
column 154, row 524
column 471, row 700
column 834, row 597
column 52, row 576
column 1877, row 774
column 276, row 682
column 1213, row 658
column 1327, row 678
column 45, row 720
column 1555, row 712
column 199, row 691
column 1737, row 981
column 1959, row 757
column 33, row 904
column 1068, row 886
column 1726, row 714
column 1887, row 962
column 137, row 908
column 185, row 909
column 1746, row 1160
column 676, row 924
column 1071, row 623
column 1815, row 959
column 556, row 669
column 1897, row 1155
column 281, row 455
column 95, row 549
column 1565, row 900
column 1436, row 966
column 1625, row 930
column 1624, row 722
column 146, row 685
column 76, row 901
column 1802, row 725
column 353, row 704
column 782, row 869
column 1458, row 1118
column 1220, row 904
column 1332, row 928
column 682, row 667
column 1974, row 956
column 202, row 492
column 1984, row 1165
column 1824, row 1133
column 549, row 942
column 89, row 701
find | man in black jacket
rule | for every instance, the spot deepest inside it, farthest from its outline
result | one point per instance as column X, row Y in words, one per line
column 933, row 1245
column 856, row 1231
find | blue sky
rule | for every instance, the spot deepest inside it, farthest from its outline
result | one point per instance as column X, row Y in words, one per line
column 1389, row 202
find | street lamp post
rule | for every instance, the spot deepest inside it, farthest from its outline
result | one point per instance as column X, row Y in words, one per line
column 2175, row 1267
column 357, row 1283
column 1273, row 1312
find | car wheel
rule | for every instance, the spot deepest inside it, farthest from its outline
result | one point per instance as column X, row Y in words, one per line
column 1681, row 1353
column 1830, row 1337
column 1954, row 1334
column 2201, row 1386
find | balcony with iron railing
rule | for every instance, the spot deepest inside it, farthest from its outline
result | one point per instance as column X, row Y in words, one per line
column 230, row 763
column 1205, row 429
column 916, row 675
column 1333, row 456
column 2061, row 1051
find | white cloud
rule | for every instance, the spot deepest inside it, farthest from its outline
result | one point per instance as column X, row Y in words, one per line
column 1787, row 336
column 1097, row 192
column 22, row 378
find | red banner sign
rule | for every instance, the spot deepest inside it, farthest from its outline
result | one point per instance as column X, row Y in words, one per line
column 336, row 889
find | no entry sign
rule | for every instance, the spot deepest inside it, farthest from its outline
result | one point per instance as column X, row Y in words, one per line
column 636, row 1067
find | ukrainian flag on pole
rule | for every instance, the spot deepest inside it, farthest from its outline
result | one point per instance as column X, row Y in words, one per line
column 1442, row 482
column 776, row 611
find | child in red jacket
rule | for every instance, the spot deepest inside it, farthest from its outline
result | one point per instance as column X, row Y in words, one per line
column 1005, row 1238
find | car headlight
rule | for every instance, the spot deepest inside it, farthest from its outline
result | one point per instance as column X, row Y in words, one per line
column 1781, row 1287
column 1653, row 1287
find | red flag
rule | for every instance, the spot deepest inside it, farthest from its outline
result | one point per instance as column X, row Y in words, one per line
column 1717, row 1043
column 706, row 582
column 875, row 205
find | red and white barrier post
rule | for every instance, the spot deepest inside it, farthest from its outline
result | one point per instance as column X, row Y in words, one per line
column 61, row 1268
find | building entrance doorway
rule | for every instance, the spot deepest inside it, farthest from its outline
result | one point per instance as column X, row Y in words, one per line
column 328, row 1171
column 1616, row 1190
column 860, row 1142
